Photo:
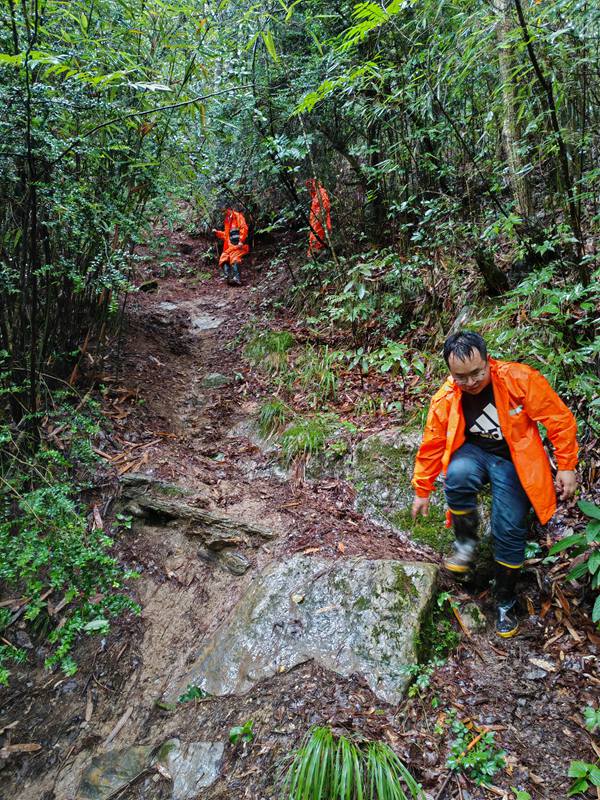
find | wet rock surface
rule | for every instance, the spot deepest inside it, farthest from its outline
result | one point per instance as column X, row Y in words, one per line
column 112, row 771
column 351, row 616
column 189, row 766
column 206, row 322
column 192, row 766
column 215, row 380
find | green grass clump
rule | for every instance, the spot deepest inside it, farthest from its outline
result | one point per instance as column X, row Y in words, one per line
column 269, row 349
column 316, row 373
column 272, row 416
column 330, row 767
column 305, row 436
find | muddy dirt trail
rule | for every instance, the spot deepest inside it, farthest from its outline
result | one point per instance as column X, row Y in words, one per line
column 182, row 408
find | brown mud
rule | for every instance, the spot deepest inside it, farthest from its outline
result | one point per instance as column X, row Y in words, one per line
column 168, row 421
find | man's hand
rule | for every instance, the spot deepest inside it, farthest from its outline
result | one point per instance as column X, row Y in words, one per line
column 420, row 506
column 566, row 483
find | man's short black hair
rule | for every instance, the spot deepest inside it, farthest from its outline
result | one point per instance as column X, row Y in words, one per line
column 461, row 346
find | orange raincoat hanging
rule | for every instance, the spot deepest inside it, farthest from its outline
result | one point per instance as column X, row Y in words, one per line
column 319, row 216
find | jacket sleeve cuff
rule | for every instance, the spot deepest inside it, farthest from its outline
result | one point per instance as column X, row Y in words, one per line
column 570, row 464
column 422, row 493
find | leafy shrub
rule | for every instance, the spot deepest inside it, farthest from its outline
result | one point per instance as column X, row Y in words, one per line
column 584, row 547
column 474, row 752
column 330, row 767
column 585, row 775
column 550, row 323
column 49, row 550
column 375, row 296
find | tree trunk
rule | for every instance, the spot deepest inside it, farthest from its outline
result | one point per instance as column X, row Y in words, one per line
column 511, row 129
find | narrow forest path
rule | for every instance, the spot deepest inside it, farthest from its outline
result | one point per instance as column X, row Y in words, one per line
column 182, row 407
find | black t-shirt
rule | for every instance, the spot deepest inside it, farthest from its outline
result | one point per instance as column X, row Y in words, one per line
column 482, row 426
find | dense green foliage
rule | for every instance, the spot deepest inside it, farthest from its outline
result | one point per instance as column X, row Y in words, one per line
column 85, row 149
column 97, row 100
column 479, row 116
column 459, row 142
column 50, row 553
column 584, row 547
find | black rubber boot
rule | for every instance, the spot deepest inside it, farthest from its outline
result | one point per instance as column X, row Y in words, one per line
column 236, row 279
column 507, row 621
column 465, row 541
column 226, row 271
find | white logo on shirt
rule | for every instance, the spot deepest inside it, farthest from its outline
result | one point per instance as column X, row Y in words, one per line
column 487, row 424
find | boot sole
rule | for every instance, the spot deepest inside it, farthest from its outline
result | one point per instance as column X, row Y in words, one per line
column 508, row 634
column 455, row 568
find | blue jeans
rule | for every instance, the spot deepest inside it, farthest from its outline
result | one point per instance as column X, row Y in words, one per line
column 471, row 468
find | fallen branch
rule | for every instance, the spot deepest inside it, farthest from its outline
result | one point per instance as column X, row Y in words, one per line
column 120, row 724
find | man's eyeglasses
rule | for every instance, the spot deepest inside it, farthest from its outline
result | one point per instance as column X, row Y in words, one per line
column 473, row 377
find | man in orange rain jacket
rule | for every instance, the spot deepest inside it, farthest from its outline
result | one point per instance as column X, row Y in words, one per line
column 235, row 248
column 482, row 428
column 319, row 214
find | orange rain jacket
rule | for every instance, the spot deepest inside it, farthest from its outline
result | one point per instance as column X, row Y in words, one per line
column 232, row 253
column 319, row 212
column 523, row 398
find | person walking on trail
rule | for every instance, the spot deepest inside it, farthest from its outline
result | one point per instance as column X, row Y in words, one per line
column 482, row 428
column 319, row 216
column 233, row 236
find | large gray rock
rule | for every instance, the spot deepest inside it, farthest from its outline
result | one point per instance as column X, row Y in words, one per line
column 206, row 322
column 351, row 616
column 112, row 771
column 192, row 766
column 381, row 470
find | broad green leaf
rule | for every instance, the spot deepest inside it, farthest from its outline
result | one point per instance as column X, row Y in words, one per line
column 596, row 610
column 270, row 45
column 576, row 540
column 577, row 572
column 578, row 769
column 589, row 509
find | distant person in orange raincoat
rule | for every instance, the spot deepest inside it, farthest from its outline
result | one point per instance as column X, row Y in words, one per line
column 235, row 248
column 319, row 214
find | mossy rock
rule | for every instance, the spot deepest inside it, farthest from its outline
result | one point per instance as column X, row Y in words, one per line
column 357, row 616
column 382, row 468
